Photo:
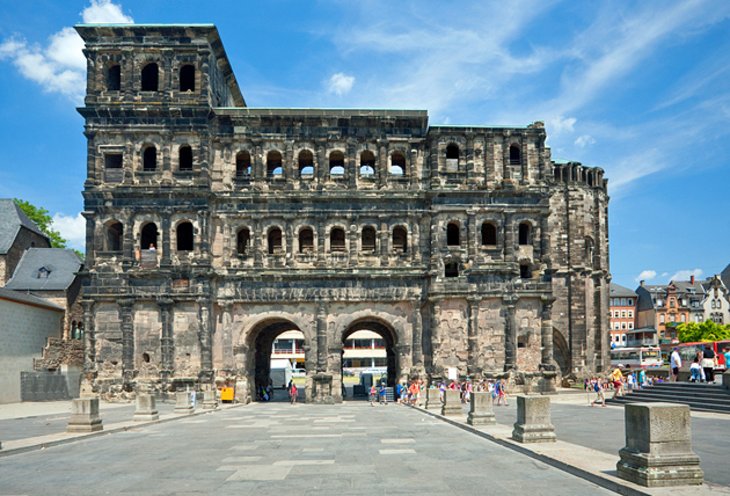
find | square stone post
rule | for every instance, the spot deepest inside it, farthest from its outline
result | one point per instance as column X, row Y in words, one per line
column 658, row 451
column 726, row 379
column 433, row 399
column 481, row 411
column 533, row 420
column 145, row 408
column 84, row 415
column 452, row 403
column 183, row 403
column 209, row 400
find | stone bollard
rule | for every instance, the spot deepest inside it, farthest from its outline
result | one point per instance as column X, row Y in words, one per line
column 533, row 420
column 726, row 379
column 481, row 411
column 209, row 400
column 183, row 404
column 433, row 399
column 658, row 451
column 452, row 403
column 146, row 409
column 84, row 415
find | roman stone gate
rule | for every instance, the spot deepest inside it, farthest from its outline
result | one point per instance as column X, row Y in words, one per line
column 213, row 227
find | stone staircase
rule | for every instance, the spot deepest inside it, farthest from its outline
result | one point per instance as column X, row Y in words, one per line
column 699, row 397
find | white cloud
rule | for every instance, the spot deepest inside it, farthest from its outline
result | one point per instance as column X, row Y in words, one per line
column 340, row 83
column 72, row 228
column 584, row 140
column 646, row 275
column 560, row 124
column 60, row 67
column 684, row 275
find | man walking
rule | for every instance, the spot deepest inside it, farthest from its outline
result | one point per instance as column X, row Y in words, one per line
column 675, row 363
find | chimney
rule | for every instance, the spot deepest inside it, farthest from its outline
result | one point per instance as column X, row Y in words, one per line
column 692, row 279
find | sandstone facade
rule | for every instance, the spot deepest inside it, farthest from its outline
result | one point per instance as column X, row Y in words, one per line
column 464, row 247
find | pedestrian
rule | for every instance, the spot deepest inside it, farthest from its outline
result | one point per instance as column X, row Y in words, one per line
column 695, row 371
column 373, row 394
column 726, row 354
column 641, row 382
column 708, row 363
column 413, row 391
column 383, row 393
column 293, row 392
column 598, row 389
column 398, row 388
column 675, row 363
column 618, row 385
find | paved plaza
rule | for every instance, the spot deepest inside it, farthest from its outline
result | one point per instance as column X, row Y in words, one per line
column 351, row 448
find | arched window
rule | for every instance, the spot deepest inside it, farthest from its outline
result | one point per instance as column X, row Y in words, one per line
column 150, row 77
column 452, row 151
column 273, row 164
column 306, row 163
column 114, row 78
column 274, row 241
column 114, row 236
column 337, row 239
column 368, row 239
column 148, row 237
column 149, row 159
column 243, row 164
column 185, row 236
column 187, row 78
column 525, row 235
column 451, row 269
column 400, row 239
column 489, row 234
column 306, row 240
column 397, row 164
column 185, row 158
column 367, row 164
column 337, row 163
column 452, row 234
column 243, row 241
column 525, row 271
column 515, row 157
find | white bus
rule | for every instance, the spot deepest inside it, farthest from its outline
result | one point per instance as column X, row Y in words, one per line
column 644, row 357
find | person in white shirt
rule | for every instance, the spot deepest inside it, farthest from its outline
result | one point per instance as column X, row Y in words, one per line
column 675, row 362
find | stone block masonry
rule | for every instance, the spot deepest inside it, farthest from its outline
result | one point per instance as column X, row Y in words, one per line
column 213, row 227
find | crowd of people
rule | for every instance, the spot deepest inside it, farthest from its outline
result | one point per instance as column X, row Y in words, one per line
column 414, row 392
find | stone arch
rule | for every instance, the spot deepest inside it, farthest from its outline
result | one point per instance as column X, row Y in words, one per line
column 561, row 352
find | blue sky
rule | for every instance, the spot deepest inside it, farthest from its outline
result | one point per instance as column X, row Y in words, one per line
column 641, row 89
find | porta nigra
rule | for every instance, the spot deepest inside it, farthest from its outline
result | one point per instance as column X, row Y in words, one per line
column 213, row 227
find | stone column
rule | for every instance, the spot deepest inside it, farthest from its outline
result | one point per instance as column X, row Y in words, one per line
column 510, row 333
column 417, row 351
column 658, row 451
column 125, row 307
column 471, row 241
column 127, row 240
column 204, row 222
column 258, row 246
column 84, row 416
column 546, row 333
column 145, row 408
column 452, row 403
column 435, row 337
column 472, row 330
column 90, row 237
column 544, row 240
column 204, row 338
column 321, row 338
column 89, row 336
column 167, row 343
column 509, row 238
column 384, row 238
column 533, row 420
column 165, row 233
column 481, row 411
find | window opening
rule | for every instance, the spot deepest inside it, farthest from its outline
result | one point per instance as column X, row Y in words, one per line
column 525, row 271
column 149, row 159
column 243, row 238
column 306, row 163
column 114, row 236
column 525, row 235
column 337, row 239
column 187, row 78
column 451, row 269
column 489, row 234
column 186, row 158
column 368, row 239
column 306, row 240
column 273, row 164
column 150, row 77
column 185, row 236
column 114, row 78
column 274, row 240
column 452, row 158
column 367, row 164
column 514, row 155
column 400, row 239
column 113, row 161
column 148, row 239
column 243, row 164
column 337, row 164
column 397, row 164
column 452, row 235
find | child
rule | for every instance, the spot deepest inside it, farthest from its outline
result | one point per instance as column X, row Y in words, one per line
column 695, row 371
column 600, row 397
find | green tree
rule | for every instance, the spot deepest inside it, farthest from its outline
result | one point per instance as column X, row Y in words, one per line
column 42, row 218
column 707, row 331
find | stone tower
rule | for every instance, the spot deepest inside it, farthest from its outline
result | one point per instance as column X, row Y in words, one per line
column 213, row 227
